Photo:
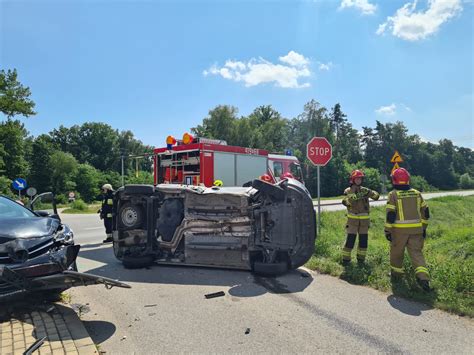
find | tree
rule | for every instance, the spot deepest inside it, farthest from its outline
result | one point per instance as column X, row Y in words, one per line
column 41, row 169
column 13, row 149
column 64, row 167
column 88, row 182
column 14, row 97
column 219, row 124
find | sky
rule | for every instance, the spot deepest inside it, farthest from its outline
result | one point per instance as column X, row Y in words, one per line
column 157, row 67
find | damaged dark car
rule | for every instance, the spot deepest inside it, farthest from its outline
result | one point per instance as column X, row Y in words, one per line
column 265, row 228
column 37, row 252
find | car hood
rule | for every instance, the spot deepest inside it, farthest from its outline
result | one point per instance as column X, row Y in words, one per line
column 28, row 227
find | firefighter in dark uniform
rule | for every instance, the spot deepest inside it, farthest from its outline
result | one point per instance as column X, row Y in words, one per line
column 358, row 221
column 106, row 211
column 405, row 227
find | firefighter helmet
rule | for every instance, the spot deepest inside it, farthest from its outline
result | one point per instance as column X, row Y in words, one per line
column 287, row 175
column 401, row 177
column 356, row 174
column 107, row 187
column 218, row 183
column 266, row 178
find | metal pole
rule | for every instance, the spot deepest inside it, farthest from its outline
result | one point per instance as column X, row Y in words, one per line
column 122, row 172
column 319, row 204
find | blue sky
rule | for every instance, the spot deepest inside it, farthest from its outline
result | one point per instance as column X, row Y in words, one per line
column 157, row 67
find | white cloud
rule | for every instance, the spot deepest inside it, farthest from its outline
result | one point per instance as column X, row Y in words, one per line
column 259, row 71
column 389, row 110
column 412, row 25
column 364, row 6
column 325, row 66
column 406, row 107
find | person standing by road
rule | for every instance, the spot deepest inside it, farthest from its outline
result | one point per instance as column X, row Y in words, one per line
column 405, row 227
column 358, row 221
column 106, row 211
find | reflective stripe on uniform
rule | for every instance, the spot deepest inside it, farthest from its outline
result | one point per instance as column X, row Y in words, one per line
column 409, row 223
column 422, row 270
column 358, row 216
column 390, row 207
column 346, row 253
column 424, row 221
column 397, row 269
column 400, row 209
column 362, row 252
column 388, row 225
column 418, row 206
column 110, row 202
column 109, row 215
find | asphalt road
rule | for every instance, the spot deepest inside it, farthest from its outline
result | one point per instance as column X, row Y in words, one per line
column 166, row 311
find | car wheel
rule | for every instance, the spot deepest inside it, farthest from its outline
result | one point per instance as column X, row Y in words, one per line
column 130, row 216
column 270, row 269
column 130, row 262
column 117, row 252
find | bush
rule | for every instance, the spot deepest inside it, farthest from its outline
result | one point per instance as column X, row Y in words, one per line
column 79, row 205
column 466, row 182
column 5, row 186
column 419, row 183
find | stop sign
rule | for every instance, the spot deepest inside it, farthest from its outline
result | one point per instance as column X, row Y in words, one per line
column 319, row 151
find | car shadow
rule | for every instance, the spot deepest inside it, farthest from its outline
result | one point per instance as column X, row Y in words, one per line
column 99, row 260
column 99, row 330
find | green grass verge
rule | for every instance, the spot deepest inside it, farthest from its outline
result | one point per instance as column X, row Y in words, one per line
column 89, row 210
column 449, row 252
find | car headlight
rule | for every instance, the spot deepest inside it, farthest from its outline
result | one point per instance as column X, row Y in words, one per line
column 65, row 235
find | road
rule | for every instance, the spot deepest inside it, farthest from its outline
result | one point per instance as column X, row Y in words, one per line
column 335, row 204
column 166, row 311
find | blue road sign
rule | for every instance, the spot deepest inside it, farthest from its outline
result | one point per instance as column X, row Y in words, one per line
column 19, row 184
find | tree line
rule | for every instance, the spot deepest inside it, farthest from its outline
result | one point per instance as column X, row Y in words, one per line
column 83, row 157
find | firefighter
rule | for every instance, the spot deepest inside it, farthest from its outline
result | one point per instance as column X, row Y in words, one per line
column 106, row 211
column 357, row 202
column 405, row 227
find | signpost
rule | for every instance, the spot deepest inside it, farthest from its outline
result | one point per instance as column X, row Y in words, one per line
column 19, row 184
column 319, row 152
column 31, row 191
column 396, row 158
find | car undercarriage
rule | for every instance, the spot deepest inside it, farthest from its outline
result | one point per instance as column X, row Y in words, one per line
column 265, row 228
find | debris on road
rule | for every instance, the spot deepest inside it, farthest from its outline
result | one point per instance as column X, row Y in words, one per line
column 124, row 337
column 150, row 305
column 215, row 294
column 35, row 346
column 247, row 331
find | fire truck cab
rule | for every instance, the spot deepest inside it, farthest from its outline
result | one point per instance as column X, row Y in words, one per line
column 202, row 161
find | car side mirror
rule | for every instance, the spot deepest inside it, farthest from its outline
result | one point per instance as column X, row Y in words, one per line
column 42, row 213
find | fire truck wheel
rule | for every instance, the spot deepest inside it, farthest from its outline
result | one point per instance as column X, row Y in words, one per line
column 131, row 262
column 130, row 216
column 270, row 269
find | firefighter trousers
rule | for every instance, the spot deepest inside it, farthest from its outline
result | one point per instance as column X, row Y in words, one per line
column 414, row 245
column 349, row 245
column 108, row 225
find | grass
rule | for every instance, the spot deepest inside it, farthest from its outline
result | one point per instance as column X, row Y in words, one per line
column 449, row 252
column 88, row 209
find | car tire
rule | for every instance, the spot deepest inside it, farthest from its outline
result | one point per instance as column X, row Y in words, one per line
column 270, row 269
column 130, row 262
column 139, row 189
column 130, row 216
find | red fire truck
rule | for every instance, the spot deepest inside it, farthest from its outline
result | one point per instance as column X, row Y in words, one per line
column 202, row 161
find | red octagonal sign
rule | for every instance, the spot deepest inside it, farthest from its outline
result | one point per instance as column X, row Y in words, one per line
column 319, row 151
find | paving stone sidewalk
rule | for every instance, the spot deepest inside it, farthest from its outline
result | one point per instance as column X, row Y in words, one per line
column 20, row 327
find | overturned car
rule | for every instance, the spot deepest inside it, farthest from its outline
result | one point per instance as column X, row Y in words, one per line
column 265, row 228
column 37, row 253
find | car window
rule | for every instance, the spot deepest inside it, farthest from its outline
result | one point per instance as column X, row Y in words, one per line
column 11, row 209
column 296, row 171
column 277, row 169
